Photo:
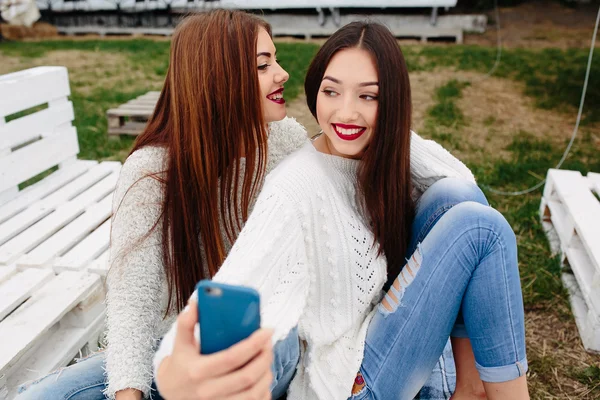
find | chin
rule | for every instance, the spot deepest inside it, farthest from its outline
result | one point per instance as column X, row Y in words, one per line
column 275, row 117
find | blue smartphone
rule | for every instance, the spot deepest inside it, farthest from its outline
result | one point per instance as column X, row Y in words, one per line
column 227, row 314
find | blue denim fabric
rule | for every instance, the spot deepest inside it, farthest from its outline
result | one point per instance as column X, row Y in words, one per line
column 84, row 380
column 464, row 262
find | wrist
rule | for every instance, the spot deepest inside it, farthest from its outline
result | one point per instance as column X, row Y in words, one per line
column 128, row 394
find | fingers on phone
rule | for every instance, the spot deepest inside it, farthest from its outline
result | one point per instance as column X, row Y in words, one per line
column 235, row 357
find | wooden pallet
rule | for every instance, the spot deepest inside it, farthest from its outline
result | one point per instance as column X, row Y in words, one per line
column 131, row 118
column 570, row 214
column 51, row 233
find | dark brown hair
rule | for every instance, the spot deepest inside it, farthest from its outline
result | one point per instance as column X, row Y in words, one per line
column 384, row 178
column 208, row 117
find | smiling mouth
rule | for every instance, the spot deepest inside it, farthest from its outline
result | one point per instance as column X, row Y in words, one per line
column 348, row 132
column 277, row 96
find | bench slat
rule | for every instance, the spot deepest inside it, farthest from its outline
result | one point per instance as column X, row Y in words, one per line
column 69, row 236
column 32, row 87
column 85, row 251
column 47, row 306
column 584, row 208
column 130, row 112
column 595, row 178
column 100, row 265
column 44, row 207
column 6, row 272
column 29, row 127
column 40, row 156
column 18, row 288
column 63, row 215
column 44, row 187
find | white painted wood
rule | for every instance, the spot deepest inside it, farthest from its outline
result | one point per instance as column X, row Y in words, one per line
column 35, row 158
column 55, row 352
column 595, row 179
column 46, row 307
column 86, row 251
column 43, row 188
column 32, row 87
column 63, row 215
column 20, row 287
column 69, row 236
column 584, row 209
column 33, row 126
column 100, row 265
column 584, row 271
column 6, row 272
column 562, row 222
column 9, row 194
column 587, row 322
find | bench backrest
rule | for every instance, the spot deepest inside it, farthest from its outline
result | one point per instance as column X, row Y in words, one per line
column 33, row 142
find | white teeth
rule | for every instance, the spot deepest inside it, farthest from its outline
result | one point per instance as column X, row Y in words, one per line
column 348, row 131
column 277, row 96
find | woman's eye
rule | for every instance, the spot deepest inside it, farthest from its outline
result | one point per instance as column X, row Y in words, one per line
column 329, row 92
column 368, row 97
column 278, row 61
column 263, row 67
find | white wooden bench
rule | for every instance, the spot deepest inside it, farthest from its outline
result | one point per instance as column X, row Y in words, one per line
column 52, row 233
column 570, row 213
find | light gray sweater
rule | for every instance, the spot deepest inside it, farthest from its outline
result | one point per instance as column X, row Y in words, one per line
column 137, row 291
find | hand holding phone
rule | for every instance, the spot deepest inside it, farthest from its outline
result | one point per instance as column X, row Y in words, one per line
column 227, row 314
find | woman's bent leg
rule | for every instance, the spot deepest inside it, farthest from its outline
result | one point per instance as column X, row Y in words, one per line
column 467, row 262
column 439, row 198
column 84, row 380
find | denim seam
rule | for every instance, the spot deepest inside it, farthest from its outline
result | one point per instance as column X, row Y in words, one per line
column 510, row 316
column 79, row 389
column 435, row 215
column 427, row 282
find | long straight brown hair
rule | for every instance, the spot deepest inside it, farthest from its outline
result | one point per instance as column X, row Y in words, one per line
column 384, row 178
column 208, row 117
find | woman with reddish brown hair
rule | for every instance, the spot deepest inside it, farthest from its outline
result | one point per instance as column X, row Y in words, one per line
column 183, row 194
column 328, row 238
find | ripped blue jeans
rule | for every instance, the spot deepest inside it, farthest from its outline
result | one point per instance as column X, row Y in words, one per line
column 461, row 280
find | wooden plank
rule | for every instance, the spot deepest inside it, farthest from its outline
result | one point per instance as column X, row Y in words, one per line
column 9, row 194
column 20, row 287
column 100, row 265
column 137, row 107
column 47, row 306
column 583, row 208
column 35, row 158
column 64, row 214
column 129, row 112
column 55, row 351
column 44, row 187
column 68, row 236
column 6, row 272
column 32, row 87
column 86, row 251
column 588, row 324
column 45, row 206
column 562, row 222
column 129, row 128
column 595, row 179
column 585, row 272
column 29, row 127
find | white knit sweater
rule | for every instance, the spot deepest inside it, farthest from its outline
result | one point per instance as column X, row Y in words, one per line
column 308, row 251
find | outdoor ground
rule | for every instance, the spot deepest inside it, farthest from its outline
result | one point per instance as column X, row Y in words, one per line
column 509, row 128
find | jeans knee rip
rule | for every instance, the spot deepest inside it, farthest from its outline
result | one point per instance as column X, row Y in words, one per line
column 393, row 297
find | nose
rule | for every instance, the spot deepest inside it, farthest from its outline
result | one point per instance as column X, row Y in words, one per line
column 347, row 112
column 281, row 76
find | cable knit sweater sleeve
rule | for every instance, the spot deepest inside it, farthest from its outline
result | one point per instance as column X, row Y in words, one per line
column 269, row 255
column 430, row 162
column 135, row 293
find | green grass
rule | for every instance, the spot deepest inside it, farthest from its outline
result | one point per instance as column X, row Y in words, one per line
column 553, row 77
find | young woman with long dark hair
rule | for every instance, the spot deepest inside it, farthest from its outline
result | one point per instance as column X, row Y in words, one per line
column 331, row 230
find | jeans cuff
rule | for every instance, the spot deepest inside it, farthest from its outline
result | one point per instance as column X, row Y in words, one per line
column 459, row 331
column 503, row 374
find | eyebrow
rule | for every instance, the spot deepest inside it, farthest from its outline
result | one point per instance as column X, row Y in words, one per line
column 334, row 80
column 264, row 53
